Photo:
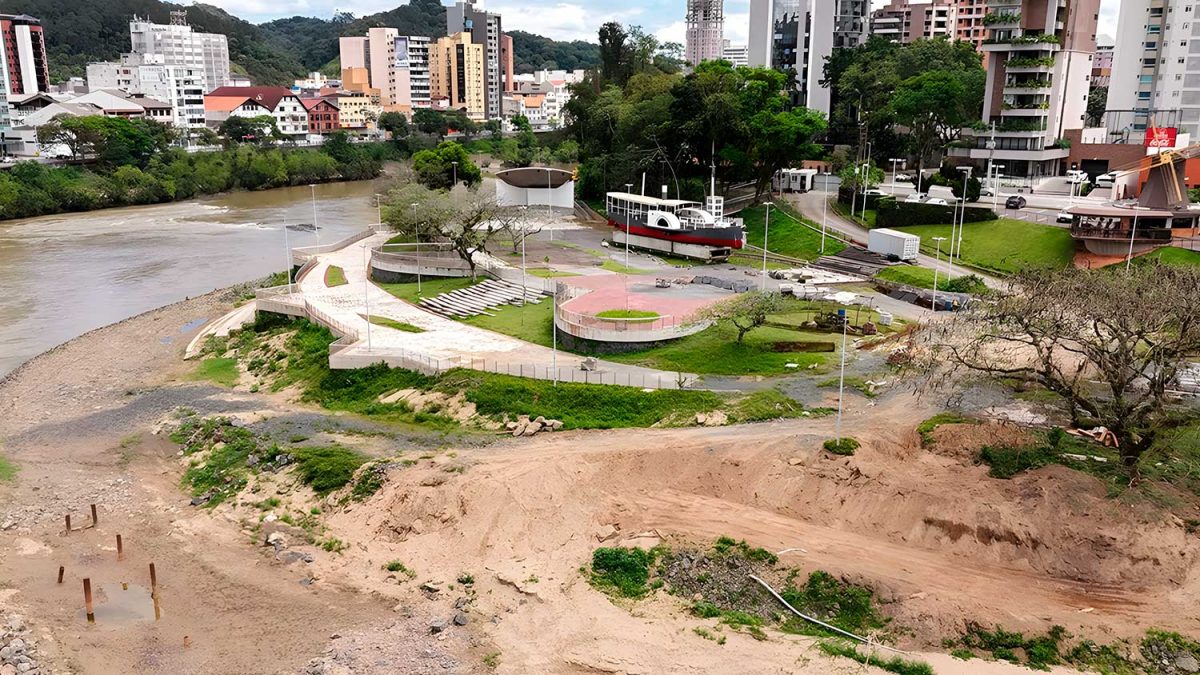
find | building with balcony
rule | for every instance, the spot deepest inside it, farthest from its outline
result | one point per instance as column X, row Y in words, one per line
column 24, row 70
column 183, row 87
column 291, row 117
column 704, row 26
column 179, row 45
column 1156, row 60
column 968, row 22
column 411, row 77
column 322, row 115
column 376, row 53
column 797, row 36
column 484, row 29
column 905, row 20
column 1040, row 55
column 735, row 54
column 1102, row 65
column 456, row 75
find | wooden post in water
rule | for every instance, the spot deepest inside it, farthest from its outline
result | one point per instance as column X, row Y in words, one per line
column 68, row 523
column 87, row 600
column 94, row 520
column 153, row 582
column 120, row 549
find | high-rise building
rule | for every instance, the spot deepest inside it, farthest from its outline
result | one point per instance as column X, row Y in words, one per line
column 969, row 23
column 795, row 37
column 1102, row 66
column 704, row 25
column 376, row 52
column 23, row 61
column 851, row 22
column 179, row 45
column 485, row 30
column 735, row 54
column 1040, row 57
column 411, row 78
column 183, row 87
column 456, row 75
column 905, row 20
column 1156, row 60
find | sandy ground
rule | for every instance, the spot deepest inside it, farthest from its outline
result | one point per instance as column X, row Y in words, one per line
column 939, row 542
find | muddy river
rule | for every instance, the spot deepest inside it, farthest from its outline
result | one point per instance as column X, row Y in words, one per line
column 61, row 276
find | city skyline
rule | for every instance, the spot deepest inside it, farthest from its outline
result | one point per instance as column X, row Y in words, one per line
column 563, row 20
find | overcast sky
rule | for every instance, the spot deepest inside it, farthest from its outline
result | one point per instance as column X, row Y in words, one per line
column 560, row 19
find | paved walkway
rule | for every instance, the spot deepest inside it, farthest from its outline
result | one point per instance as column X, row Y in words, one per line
column 445, row 343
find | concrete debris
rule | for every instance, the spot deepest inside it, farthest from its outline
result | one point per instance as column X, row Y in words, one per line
column 523, row 426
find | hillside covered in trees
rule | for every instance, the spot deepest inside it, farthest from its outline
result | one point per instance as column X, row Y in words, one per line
column 81, row 31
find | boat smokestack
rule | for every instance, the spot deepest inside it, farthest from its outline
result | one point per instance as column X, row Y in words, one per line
column 664, row 192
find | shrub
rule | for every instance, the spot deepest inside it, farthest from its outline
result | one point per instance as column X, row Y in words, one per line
column 1008, row 462
column 623, row 571
column 892, row 213
column 894, row 664
column 727, row 545
column 844, row 446
column 327, row 469
column 849, row 607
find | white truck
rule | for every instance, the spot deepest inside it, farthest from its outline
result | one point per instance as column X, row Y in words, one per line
column 888, row 243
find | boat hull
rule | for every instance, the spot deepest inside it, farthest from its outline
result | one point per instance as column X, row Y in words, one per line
column 717, row 237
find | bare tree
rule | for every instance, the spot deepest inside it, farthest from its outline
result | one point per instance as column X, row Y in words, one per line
column 745, row 311
column 1110, row 343
column 467, row 225
column 517, row 224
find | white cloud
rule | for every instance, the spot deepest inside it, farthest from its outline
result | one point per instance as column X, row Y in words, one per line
column 737, row 27
column 672, row 32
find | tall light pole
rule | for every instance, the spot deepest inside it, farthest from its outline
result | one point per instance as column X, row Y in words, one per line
column 824, row 210
column 313, row 189
column 418, row 231
column 766, row 231
column 550, row 206
column 1133, row 234
column 853, row 193
column 937, row 264
column 367, row 294
column 628, row 187
column 287, row 252
column 866, row 181
column 996, row 186
column 455, row 183
column 962, row 219
column 894, row 162
column 842, row 376
column 554, row 333
column 524, row 233
column 378, row 211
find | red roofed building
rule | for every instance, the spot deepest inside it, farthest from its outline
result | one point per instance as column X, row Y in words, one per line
column 290, row 114
column 322, row 115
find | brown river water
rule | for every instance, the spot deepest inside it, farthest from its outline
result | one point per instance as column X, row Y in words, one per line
column 64, row 275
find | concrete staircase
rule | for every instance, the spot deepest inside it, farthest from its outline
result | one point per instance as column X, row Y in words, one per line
column 480, row 299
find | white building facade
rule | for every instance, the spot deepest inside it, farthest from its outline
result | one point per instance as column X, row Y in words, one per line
column 183, row 87
column 704, row 26
column 1156, row 61
column 795, row 36
column 179, row 45
column 411, row 76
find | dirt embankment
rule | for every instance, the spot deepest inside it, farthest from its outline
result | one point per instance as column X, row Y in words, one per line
column 941, row 543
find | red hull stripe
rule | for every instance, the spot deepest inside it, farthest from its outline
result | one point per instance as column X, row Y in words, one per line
column 681, row 238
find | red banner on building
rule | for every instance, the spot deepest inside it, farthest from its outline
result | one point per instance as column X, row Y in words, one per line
column 1161, row 137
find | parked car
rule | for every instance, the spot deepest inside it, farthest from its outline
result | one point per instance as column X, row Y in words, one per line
column 875, row 193
column 1106, row 180
column 938, row 201
column 986, row 191
column 916, row 197
column 1015, row 202
column 903, row 178
column 1063, row 217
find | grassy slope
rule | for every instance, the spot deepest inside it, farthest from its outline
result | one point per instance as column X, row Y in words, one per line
column 1170, row 255
column 1005, row 245
column 397, row 325
column 787, row 236
column 921, row 277
column 429, row 288
column 8, row 470
column 223, row 371
column 335, row 276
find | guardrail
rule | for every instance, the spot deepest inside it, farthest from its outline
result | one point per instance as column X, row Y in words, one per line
column 605, row 329
column 303, row 253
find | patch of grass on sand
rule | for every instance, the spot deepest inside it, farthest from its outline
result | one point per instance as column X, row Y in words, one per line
column 614, row 266
column 715, row 351
column 219, row 370
column 530, row 322
column 894, row 664
column 927, row 427
column 329, row 468
column 1005, row 245
column 788, row 235
column 8, row 469
column 622, row 572
column 394, row 324
column 544, row 273
column 407, row 291
column 335, row 276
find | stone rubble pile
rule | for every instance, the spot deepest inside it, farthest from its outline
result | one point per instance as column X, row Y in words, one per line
column 527, row 427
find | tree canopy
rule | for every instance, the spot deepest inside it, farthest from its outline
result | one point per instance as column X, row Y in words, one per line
column 438, row 168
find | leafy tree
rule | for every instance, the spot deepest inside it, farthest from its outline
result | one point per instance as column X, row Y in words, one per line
column 614, row 60
column 431, row 122
column 1111, row 344
column 237, row 129
column 494, row 129
column 436, row 168
column 745, row 311
column 974, row 188
column 934, row 106
column 852, row 176
column 394, row 123
column 1097, row 103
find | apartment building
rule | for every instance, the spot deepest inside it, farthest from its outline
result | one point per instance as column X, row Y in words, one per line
column 411, row 65
column 375, row 52
column 179, row 45
column 970, row 23
column 797, row 36
column 1156, row 60
column 1102, row 65
column 735, row 54
column 904, row 20
column 456, row 75
column 704, row 30
column 148, row 75
column 25, row 71
column 322, row 115
column 484, row 29
column 1040, row 57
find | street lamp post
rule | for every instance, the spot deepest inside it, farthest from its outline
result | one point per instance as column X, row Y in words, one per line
column 766, row 231
column 866, row 181
column 842, row 376
column 996, row 185
column 962, row 218
column 936, row 264
column 312, row 187
column 824, row 210
column 455, row 183
column 367, row 294
column 550, row 206
column 894, row 162
column 1133, row 234
column 418, row 231
column 628, row 187
column 854, row 194
column 378, row 212
column 287, row 252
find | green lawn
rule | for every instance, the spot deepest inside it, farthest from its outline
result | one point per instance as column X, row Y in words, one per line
column 614, row 266
column 530, row 323
column 430, row 286
column 627, row 314
column 787, row 236
column 1004, row 246
column 921, row 277
column 335, row 276
column 867, row 221
column 545, row 273
column 397, row 325
column 223, row 371
column 1170, row 255
column 715, row 352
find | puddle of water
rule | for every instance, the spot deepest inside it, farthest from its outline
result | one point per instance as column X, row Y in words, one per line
column 121, row 603
column 193, row 325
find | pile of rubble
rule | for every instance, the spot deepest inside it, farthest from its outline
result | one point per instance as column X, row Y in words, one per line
column 527, row 427
column 16, row 652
